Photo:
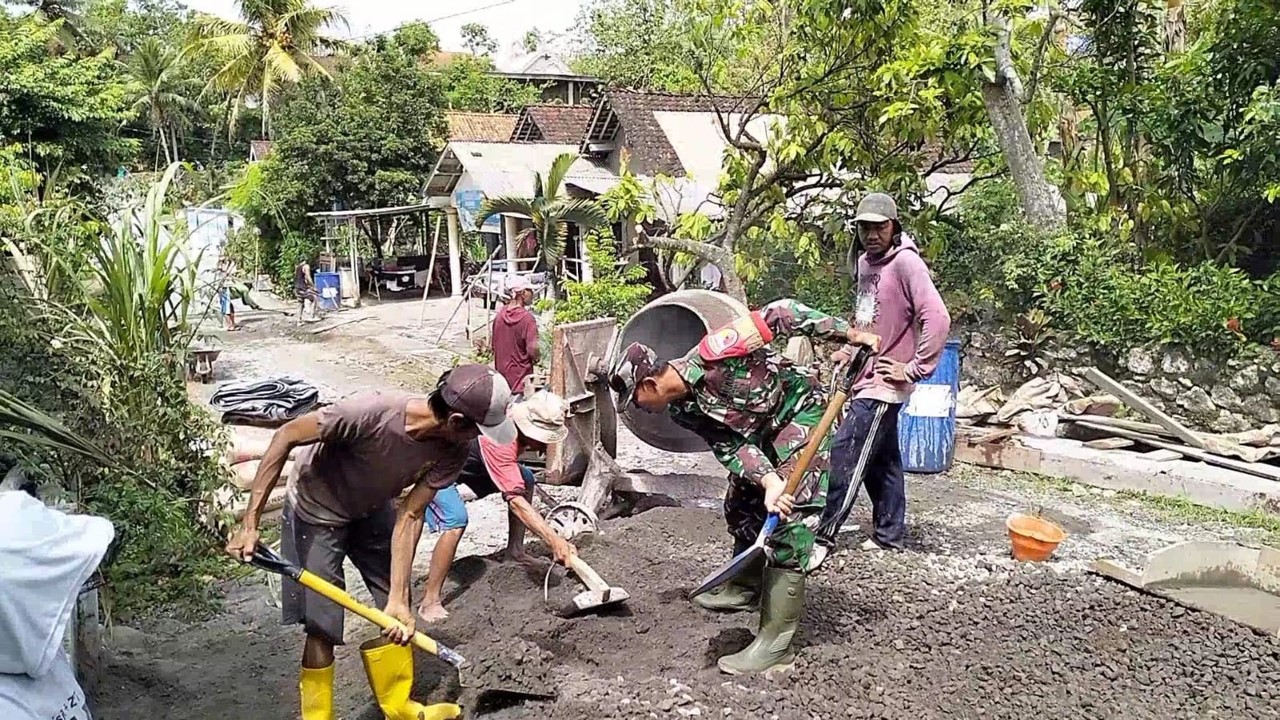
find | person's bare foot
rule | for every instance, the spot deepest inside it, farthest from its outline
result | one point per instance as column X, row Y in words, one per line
column 432, row 612
column 524, row 559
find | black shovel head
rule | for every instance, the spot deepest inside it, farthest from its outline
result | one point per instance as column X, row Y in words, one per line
column 740, row 562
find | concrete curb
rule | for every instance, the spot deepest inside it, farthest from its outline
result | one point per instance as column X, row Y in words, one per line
column 1117, row 470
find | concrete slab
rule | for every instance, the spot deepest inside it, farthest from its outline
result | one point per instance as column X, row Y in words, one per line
column 1200, row 483
column 1229, row 579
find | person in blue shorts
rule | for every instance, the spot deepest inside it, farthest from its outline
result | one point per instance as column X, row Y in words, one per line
column 492, row 468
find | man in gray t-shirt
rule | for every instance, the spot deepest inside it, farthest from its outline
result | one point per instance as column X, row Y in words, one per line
column 354, row 459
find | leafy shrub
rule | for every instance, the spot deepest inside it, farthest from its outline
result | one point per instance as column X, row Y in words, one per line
column 616, row 292
column 103, row 351
column 1093, row 289
column 293, row 249
column 990, row 233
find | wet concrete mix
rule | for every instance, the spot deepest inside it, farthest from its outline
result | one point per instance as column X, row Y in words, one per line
column 885, row 635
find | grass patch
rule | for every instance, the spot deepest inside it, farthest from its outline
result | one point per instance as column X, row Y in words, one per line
column 1166, row 508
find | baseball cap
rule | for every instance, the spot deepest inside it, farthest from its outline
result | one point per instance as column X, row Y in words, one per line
column 877, row 208
column 482, row 396
column 542, row 417
column 518, row 283
column 636, row 363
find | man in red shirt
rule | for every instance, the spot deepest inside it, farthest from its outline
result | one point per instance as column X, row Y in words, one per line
column 515, row 335
column 491, row 467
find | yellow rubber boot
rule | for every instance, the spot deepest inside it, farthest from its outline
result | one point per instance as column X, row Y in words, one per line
column 316, row 688
column 390, row 671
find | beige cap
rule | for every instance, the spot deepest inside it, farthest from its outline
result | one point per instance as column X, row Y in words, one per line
column 542, row 417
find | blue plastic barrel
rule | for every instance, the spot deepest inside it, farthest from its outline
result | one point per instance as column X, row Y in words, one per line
column 329, row 287
column 927, row 425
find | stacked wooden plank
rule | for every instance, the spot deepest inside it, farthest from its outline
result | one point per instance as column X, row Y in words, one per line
column 986, row 438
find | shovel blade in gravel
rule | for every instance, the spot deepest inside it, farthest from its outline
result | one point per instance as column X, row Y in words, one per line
column 739, row 563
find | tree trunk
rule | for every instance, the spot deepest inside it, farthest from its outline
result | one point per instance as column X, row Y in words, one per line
column 1035, row 194
column 1175, row 27
column 714, row 254
column 1002, row 97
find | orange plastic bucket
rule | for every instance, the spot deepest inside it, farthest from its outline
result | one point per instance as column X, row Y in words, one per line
column 1033, row 538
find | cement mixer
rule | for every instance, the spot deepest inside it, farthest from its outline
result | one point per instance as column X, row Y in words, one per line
column 581, row 356
column 672, row 325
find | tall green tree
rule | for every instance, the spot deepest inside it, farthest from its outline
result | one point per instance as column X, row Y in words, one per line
column 273, row 46
column 68, row 12
column 366, row 138
column 636, row 44
column 470, row 85
column 167, row 95
column 63, row 111
column 549, row 213
column 477, row 40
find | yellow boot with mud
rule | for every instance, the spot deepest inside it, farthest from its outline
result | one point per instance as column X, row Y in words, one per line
column 390, row 671
column 315, row 685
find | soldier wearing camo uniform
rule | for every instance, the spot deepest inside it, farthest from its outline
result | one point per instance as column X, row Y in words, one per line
column 755, row 409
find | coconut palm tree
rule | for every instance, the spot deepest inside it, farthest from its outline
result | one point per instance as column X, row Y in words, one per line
column 167, row 96
column 272, row 46
column 66, row 11
column 549, row 212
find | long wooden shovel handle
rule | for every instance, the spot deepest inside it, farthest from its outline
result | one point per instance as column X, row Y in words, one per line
column 589, row 576
column 851, row 371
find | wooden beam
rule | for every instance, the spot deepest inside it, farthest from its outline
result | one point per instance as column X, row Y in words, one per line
column 993, row 436
column 1269, row 472
column 1133, row 400
column 1007, row 456
column 1134, row 425
column 1109, row 443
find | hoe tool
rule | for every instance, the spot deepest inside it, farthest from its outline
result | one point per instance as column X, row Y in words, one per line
column 599, row 594
column 845, row 378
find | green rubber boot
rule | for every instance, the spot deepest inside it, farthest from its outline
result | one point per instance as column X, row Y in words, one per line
column 741, row 593
column 781, row 606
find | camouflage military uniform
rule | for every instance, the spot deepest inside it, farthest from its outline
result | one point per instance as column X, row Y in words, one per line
column 756, row 413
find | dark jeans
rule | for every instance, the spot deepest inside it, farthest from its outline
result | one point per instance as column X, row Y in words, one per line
column 866, row 452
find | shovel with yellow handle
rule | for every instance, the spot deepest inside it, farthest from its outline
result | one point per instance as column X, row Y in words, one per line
column 267, row 559
column 473, row 687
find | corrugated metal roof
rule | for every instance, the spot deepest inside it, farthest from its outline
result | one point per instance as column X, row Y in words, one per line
column 508, row 168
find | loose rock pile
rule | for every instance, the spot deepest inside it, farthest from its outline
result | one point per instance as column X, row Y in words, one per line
column 885, row 636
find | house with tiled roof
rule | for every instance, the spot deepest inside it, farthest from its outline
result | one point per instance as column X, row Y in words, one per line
column 548, row 123
column 674, row 135
column 480, row 127
column 678, row 136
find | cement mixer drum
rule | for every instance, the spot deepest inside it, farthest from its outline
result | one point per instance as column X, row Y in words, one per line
column 672, row 325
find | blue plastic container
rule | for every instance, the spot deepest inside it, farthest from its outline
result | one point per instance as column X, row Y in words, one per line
column 329, row 287
column 927, row 425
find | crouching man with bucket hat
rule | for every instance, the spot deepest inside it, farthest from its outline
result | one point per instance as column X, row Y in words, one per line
column 492, row 467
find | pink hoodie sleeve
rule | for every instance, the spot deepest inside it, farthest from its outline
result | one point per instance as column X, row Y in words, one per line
column 931, row 314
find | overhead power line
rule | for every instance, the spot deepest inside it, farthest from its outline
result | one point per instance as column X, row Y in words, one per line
column 462, row 13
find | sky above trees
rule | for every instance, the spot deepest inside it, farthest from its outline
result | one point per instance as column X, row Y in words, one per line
column 507, row 22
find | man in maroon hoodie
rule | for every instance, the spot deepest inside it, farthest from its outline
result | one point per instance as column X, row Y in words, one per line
column 898, row 302
column 515, row 335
